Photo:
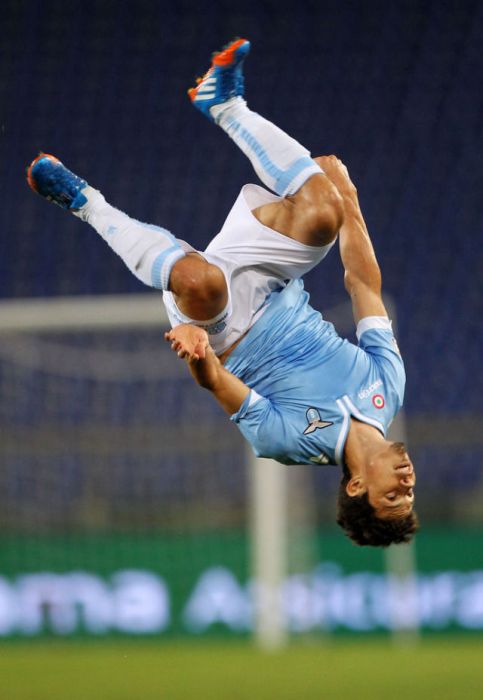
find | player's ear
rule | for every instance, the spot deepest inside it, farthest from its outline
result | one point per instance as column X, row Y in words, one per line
column 355, row 486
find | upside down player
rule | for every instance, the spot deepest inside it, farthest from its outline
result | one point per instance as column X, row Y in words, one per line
column 241, row 319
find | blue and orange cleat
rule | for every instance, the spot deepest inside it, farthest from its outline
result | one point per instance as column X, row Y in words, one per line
column 52, row 180
column 223, row 80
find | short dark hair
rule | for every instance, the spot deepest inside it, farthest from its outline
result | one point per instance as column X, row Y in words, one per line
column 358, row 519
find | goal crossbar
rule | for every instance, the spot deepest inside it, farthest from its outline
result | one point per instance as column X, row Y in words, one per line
column 82, row 313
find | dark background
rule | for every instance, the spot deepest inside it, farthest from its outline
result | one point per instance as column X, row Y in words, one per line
column 393, row 88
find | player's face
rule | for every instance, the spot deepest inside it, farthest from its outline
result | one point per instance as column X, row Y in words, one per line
column 390, row 481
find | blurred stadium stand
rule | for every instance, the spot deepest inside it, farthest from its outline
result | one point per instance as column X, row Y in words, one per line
column 393, row 88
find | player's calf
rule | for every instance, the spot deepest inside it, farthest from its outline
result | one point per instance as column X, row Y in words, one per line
column 280, row 161
column 149, row 251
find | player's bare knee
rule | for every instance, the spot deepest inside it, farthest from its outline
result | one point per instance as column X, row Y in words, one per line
column 328, row 217
column 213, row 286
column 323, row 209
column 194, row 280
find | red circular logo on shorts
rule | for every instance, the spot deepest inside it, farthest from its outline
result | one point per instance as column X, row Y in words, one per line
column 378, row 401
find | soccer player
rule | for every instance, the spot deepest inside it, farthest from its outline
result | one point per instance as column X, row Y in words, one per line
column 241, row 319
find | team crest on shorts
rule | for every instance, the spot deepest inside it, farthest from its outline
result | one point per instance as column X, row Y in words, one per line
column 378, row 401
column 315, row 421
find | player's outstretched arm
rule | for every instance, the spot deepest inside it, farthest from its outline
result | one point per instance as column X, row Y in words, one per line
column 192, row 345
column 362, row 273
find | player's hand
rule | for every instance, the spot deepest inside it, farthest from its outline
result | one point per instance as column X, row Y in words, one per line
column 188, row 342
column 337, row 172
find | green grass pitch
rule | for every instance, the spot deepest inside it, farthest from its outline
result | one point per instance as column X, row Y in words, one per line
column 450, row 669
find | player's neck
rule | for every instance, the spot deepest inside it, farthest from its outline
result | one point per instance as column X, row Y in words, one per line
column 362, row 441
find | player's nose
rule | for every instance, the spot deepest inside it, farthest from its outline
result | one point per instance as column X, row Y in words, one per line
column 408, row 479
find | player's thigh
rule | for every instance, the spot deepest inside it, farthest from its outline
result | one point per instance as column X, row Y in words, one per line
column 245, row 242
column 311, row 216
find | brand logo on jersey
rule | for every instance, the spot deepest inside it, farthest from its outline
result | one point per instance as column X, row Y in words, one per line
column 378, row 401
column 367, row 392
column 315, row 421
column 321, row 459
